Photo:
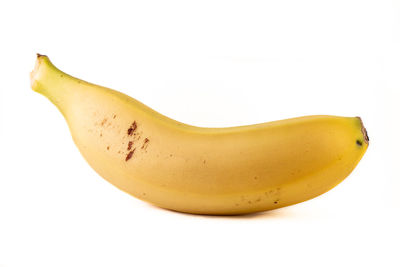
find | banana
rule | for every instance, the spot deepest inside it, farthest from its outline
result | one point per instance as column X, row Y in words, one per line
column 220, row 171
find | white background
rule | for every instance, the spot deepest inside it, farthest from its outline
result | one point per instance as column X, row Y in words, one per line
column 206, row 63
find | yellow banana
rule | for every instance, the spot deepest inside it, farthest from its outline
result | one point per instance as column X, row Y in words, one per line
column 176, row 166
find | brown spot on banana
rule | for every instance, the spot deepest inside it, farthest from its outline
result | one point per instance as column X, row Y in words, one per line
column 145, row 143
column 130, row 145
column 132, row 128
column 129, row 155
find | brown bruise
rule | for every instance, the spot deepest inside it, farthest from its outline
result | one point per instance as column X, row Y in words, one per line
column 145, row 143
column 129, row 155
column 130, row 145
column 132, row 128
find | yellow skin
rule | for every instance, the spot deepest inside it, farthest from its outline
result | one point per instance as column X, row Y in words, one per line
column 176, row 166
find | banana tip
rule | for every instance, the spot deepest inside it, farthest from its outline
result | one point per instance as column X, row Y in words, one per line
column 364, row 131
column 40, row 55
column 35, row 72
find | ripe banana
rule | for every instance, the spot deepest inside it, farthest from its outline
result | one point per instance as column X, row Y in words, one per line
column 176, row 166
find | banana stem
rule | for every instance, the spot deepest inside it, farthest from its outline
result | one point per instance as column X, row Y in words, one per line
column 51, row 82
